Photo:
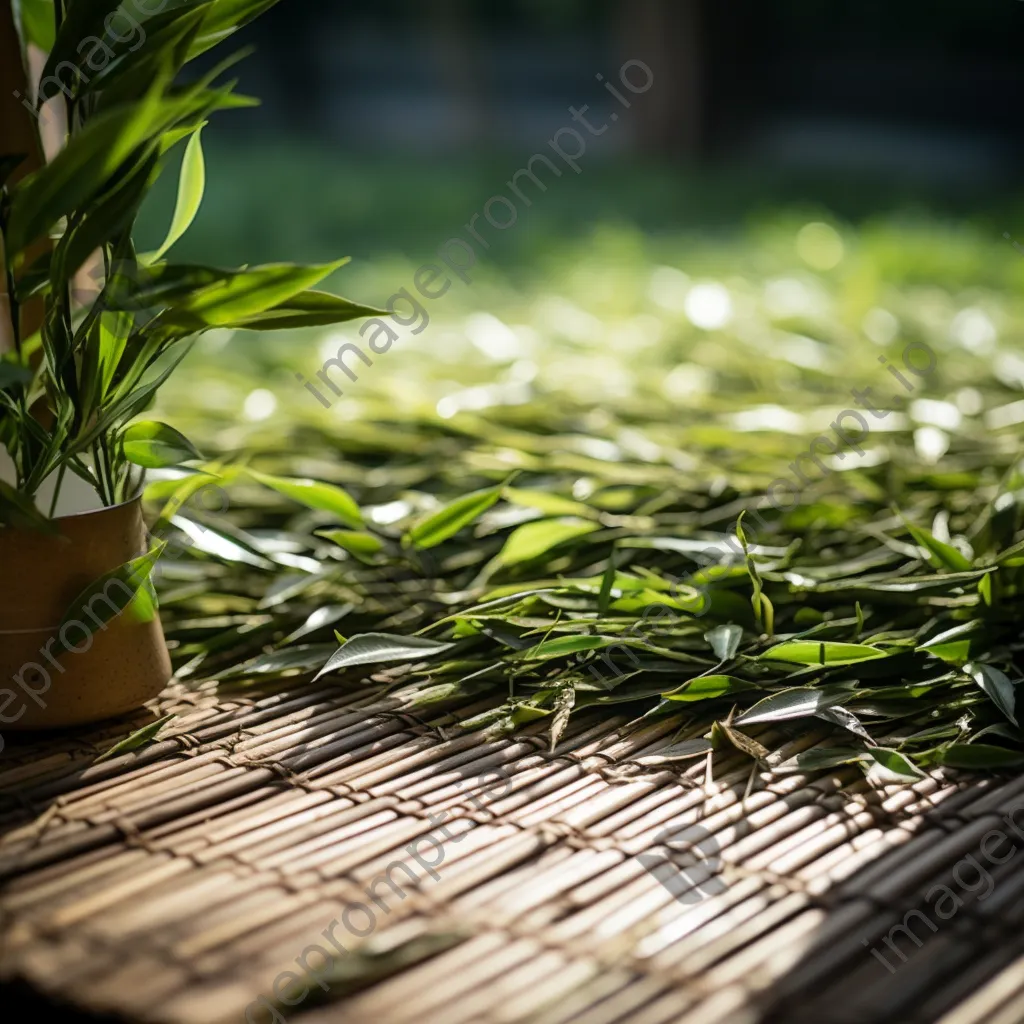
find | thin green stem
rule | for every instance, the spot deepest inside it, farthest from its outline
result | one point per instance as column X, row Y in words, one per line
column 56, row 488
column 99, row 459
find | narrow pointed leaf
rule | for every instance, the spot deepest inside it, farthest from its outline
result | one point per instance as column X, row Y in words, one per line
column 810, row 652
column 316, row 495
column 535, row 539
column 439, row 526
column 997, row 685
column 798, row 702
column 191, row 185
column 377, row 648
column 137, row 739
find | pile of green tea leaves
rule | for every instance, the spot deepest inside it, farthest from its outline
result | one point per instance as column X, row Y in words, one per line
column 554, row 497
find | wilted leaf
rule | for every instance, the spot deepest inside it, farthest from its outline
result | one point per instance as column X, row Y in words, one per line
column 725, row 641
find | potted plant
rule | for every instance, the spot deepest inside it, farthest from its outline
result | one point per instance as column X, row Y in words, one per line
column 80, row 639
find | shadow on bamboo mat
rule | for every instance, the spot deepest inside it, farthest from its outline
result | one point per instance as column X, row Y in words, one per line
column 318, row 856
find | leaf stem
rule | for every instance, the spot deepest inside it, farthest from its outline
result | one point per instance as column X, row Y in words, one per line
column 56, row 488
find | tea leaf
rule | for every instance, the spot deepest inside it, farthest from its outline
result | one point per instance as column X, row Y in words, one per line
column 807, row 652
column 725, row 641
column 532, row 540
column 154, row 445
column 137, row 739
column 438, row 527
column 998, row 687
column 940, row 554
column 798, row 702
column 374, row 648
column 314, row 494
column 96, row 602
column 191, row 185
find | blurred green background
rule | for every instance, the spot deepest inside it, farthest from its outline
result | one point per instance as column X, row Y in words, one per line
column 670, row 285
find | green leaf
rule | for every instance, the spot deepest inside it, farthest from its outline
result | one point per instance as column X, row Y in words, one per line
column 725, row 641
column 83, row 20
column 111, row 594
column 941, row 555
column 820, row 758
column 249, row 292
column 12, row 374
column 604, row 595
column 439, row 526
column 531, row 540
column 978, row 756
column 316, row 495
column 708, row 688
column 563, row 646
column 307, row 309
column 682, row 751
column 224, row 18
column 177, row 493
column 132, row 69
column 810, row 652
column 375, row 648
column 846, row 719
column 891, row 766
column 137, row 739
column 191, row 185
column 84, row 166
column 302, row 658
column 155, row 445
column 38, row 25
column 104, row 347
column 364, row 546
column 549, row 504
column 797, row 702
column 17, row 509
column 954, row 645
column 997, row 685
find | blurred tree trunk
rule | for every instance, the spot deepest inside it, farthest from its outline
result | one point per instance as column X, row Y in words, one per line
column 667, row 35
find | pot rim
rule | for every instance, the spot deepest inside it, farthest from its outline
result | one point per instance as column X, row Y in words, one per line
column 78, row 516
column 137, row 500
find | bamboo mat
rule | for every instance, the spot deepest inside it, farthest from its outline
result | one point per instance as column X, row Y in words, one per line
column 591, row 884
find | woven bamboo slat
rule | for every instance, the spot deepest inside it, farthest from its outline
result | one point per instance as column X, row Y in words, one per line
column 176, row 883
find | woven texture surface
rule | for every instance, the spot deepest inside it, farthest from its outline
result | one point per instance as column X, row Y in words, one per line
column 592, row 883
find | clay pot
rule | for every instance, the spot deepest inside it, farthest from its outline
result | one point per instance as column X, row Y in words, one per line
column 112, row 666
